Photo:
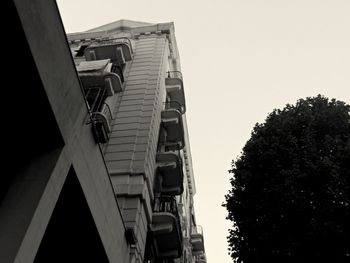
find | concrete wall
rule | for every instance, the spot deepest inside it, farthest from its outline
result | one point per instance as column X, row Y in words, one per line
column 135, row 130
column 30, row 200
column 131, row 151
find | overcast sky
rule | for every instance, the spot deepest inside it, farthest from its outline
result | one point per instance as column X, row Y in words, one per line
column 240, row 60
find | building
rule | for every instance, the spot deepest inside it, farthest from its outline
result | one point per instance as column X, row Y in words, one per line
column 100, row 160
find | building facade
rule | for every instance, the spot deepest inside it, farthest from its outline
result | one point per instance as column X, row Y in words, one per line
column 114, row 178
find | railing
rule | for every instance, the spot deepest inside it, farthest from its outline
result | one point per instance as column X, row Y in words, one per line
column 166, row 204
column 169, row 172
column 173, row 126
column 168, row 238
column 95, row 98
column 111, row 41
column 101, row 73
column 119, row 71
column 175, row 74
column 174, row 87
column 165, row 151
column 173, row 105
column 200, row 258
column 106, row 110
column 197, row 230
column 173, row 148
column 197, row 240
column 168, row 146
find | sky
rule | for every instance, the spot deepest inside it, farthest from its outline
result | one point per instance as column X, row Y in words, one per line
column 240, row 60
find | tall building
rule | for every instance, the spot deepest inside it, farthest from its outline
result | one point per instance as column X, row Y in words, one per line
column 105, row 171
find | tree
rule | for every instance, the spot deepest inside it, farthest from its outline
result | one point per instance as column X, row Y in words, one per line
column 289, row 200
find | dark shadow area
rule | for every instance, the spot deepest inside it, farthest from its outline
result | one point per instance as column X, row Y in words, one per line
column 71, row 235
column 29, row 126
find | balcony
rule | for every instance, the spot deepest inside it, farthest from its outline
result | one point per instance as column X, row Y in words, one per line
column 173, row 130
column 173, row 105
column 175, row 89
column 102, row 121
column 200, row 258
column 119, row 50
column 101, row 73
column 166, row 229
column 197, row 240
column 169, row 173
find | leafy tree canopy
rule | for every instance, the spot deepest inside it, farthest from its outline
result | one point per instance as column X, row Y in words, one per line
column 289, row 200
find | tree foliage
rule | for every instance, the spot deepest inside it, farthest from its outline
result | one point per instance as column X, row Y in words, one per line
column 289, row 200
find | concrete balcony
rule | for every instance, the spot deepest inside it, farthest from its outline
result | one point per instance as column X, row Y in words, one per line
column 166, row 229
column 175, row 89
column 173, row 130
column 169, row 173
column 197, row 240
column 102, row 121
column 101, row 73
column 119, row 50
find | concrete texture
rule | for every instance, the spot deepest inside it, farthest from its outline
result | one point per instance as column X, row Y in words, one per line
column 30, row 199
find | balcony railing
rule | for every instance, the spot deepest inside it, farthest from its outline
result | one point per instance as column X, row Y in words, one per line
column 119, row 50
column 173, row 130
column 200, row 258
column 100, row 73
column 197, row 230
column 173, row 105
column 166, row 204
column 169, row 173
column 102, row 120
column 166, row 229
column 197, row 240
column 175, row 88
column 175, row 75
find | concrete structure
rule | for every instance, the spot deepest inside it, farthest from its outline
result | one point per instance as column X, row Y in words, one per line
column 99, row 153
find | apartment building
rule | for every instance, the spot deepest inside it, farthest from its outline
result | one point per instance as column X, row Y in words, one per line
column 106, row 166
